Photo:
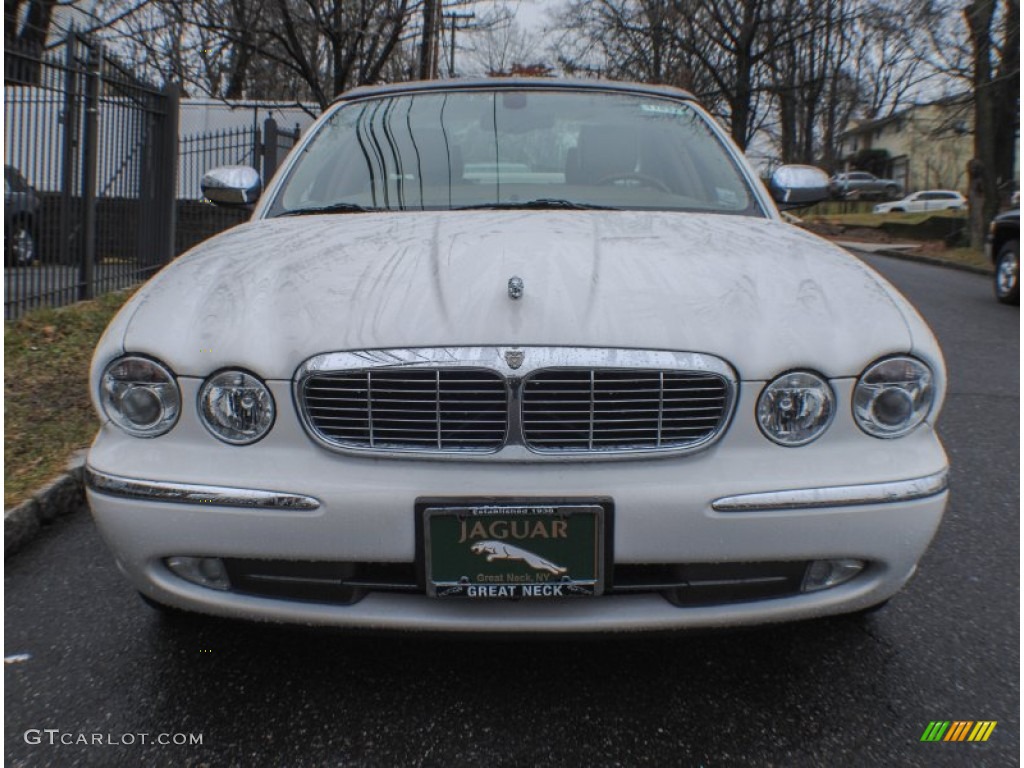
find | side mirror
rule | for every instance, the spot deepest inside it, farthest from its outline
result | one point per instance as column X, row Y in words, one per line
column 232, row 185
column 793, row 186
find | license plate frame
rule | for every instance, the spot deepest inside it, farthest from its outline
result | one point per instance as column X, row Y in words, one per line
column 532, row 562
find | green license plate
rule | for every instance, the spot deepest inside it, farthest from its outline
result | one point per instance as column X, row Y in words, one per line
column 514, row 550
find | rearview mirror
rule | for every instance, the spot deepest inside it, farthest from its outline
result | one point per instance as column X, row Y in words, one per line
column 793, row 186
column 232, row 185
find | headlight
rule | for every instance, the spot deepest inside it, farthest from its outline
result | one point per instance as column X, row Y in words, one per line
column 236, row 407
column 795, row 408
column 140, row 396
column 893, row 396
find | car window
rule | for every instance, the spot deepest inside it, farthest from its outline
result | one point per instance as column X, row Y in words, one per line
column 446, row 150
column 860, row 176
column 14, row 181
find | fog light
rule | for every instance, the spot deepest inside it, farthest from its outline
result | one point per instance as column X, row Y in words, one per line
column 236, row 407
column 795, row 408
column 204, row 571
column 823, row 574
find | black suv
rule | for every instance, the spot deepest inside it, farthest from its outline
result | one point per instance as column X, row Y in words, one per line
column 1002, row 246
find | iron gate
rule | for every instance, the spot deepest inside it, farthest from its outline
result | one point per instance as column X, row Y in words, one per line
column 90, row 161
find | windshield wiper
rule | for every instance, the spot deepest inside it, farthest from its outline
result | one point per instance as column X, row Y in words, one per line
column 333, row 208
column 541, row 203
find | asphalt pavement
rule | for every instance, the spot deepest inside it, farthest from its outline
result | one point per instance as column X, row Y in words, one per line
column 86, row 661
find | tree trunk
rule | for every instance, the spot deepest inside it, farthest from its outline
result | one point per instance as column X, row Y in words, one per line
column 37, row 23
column 984, row 194
column 1005, row 106
column 12, row 12
column 787, row 123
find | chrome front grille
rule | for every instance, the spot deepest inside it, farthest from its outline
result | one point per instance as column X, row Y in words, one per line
column 523, row 403
column 609, row 410
column 432, row 410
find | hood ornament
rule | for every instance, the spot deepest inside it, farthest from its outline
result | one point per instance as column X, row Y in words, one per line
column 515, row 288
column 514, row 358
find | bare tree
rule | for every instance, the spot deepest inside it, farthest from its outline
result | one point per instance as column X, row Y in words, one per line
column 719, row 49
column 838, row 59
column 302, row 50
column 633, row 40
column 995, row 70
column 498, row 48
column 804, row 70
column 975, row 47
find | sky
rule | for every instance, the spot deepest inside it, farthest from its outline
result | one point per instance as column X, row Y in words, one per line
column 531, row 14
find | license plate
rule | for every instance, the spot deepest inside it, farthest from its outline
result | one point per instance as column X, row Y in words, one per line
column 514, row 550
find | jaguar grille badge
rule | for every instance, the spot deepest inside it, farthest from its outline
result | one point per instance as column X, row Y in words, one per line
column 514, row 358
column 515, row 287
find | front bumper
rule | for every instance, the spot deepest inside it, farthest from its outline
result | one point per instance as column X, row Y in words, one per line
column 702, row 508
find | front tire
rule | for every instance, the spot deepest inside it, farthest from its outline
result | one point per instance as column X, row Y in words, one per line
column 1007, row 281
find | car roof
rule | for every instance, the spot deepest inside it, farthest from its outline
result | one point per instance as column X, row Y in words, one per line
column 511, row 83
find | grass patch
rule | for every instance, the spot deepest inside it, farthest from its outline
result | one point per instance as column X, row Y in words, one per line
column 47, row 412
column 973, row 257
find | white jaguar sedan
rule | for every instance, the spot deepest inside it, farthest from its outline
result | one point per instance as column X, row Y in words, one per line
column 517, row 356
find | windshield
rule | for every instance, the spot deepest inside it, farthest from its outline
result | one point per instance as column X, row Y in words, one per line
column 515, row 148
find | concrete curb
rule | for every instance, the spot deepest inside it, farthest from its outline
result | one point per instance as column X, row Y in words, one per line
column 59, row 497
column 922, row 259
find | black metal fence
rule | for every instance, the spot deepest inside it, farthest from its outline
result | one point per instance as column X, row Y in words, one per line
column 277, row 142
column 263, row 150
column 89, row 168
column 197, row 154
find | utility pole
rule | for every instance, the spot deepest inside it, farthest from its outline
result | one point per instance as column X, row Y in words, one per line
column 455, row 18
column 428, row 46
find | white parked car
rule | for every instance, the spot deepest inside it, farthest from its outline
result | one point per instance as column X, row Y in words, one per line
column 929, row 200
column 616, row 392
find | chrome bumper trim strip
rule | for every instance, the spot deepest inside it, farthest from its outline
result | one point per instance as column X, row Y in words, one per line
column 837, row 496
column 185, row 493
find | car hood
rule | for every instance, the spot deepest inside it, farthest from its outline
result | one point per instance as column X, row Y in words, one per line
column 762, row 294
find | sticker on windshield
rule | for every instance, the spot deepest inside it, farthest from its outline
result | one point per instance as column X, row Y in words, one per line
column 727, row 197
column 663, row 109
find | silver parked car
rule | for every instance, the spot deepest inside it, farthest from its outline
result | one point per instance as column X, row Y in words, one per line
column 928, row 200
column 863, row 185
column 517, row 355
